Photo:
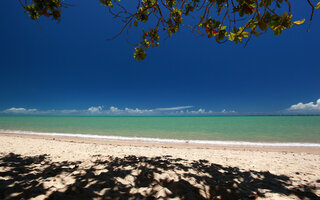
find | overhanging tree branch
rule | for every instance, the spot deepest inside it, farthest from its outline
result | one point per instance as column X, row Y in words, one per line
column 166, row 17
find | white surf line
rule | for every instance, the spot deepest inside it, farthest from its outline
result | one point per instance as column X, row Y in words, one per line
column 160, row 140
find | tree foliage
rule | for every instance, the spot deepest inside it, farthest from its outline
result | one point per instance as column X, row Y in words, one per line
column 224, row 20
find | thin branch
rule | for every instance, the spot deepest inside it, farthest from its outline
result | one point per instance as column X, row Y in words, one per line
column 289, row 6
column 21, row 3
column 311, row 14
column 121, row 30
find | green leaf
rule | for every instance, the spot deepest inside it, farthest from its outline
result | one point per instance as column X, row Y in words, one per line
column 231, row 36
column 245, row 34
column 135, row 23
column 263, row 26
column 318, row 5
column 234, row 29
column 139, row 54
column 277, row 31
column 256, row 33
column 299, row 22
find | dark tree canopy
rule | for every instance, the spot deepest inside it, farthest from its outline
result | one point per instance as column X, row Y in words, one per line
column 225, row 20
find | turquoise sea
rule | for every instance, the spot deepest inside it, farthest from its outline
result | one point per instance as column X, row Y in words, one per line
column 283, row 129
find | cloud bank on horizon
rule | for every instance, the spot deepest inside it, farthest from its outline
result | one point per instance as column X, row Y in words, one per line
column 299, row 108
column 114, row 111
column 19, row 110
column 306, row 108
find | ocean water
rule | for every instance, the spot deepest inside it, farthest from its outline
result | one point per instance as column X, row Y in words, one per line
column 256, row 129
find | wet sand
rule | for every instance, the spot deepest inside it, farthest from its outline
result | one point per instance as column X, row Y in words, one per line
column 44, row 167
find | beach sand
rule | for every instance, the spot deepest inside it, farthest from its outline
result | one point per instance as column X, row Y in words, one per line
column 43, row 167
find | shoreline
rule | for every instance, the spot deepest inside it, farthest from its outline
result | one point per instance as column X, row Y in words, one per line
column 182, row 144
column 165, row 140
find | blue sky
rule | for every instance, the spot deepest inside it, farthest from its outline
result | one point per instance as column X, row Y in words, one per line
column 71, row 67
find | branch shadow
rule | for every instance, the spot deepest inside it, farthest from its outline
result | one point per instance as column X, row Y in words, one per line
column 132, row 177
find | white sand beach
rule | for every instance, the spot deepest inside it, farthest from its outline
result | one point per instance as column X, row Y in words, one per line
column 39, row 167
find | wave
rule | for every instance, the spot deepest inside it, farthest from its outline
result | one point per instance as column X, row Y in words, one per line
column 160, row 140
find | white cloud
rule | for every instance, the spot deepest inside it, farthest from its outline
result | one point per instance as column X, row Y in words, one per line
column 137, row 110
column 20, row 110
column 228, row 111
column 93, row 109
column 174, row 108
column 128, row 111
column 200, row 111
column 67, row 111
column 114, row 111
column 117, row 111
column 306, row 107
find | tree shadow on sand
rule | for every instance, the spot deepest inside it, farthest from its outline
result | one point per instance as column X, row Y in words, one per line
column 135, row 177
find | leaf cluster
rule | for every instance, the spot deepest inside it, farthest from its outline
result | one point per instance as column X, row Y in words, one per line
column 223, row 20
column 47, row 8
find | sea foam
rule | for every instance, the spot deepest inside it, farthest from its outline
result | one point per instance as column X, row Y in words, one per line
column 161, row 140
